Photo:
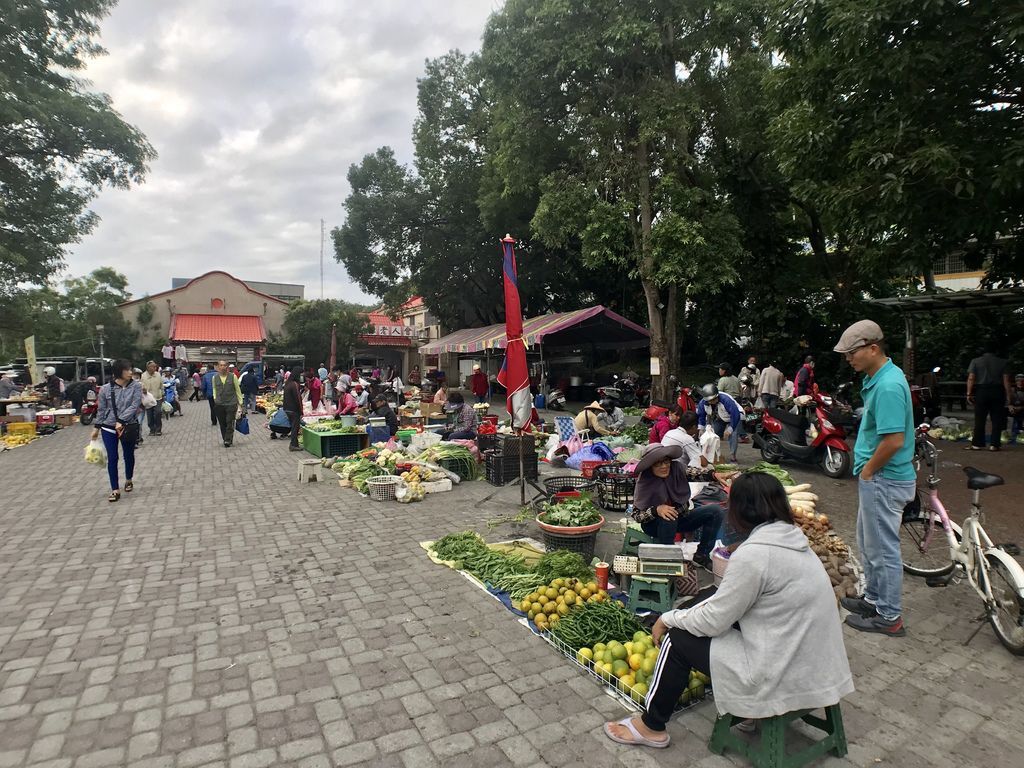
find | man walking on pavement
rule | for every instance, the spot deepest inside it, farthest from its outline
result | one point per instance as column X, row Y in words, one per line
column 208, row 393
column 249, row 386
column 227, row 401
column 153, row 383
column 989, row 390
column 883, row 461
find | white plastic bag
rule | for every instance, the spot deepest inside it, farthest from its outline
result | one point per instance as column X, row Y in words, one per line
column 95, row 452
column 148, row 401
column 710, row 443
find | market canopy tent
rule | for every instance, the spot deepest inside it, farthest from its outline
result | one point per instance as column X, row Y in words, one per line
column 594, row 326
column 908, row 306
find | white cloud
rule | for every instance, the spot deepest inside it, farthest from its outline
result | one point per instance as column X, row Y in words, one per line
column 257, row 110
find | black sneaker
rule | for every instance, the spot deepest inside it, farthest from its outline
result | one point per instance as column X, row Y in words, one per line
column 859, row 606
column 876, row 624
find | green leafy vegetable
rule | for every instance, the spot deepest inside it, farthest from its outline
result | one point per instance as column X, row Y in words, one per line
column 563, row 564
column 571, row 513
column 774, row 470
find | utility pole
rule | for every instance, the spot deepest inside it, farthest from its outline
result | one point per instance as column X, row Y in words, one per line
column 321, row 258
column 99, row 329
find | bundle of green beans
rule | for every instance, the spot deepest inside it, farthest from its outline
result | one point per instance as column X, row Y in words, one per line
column 519, row 585
column 598, row 622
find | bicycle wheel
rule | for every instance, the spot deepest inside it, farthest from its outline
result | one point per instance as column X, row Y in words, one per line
column 1008, row 617
column 921, row 558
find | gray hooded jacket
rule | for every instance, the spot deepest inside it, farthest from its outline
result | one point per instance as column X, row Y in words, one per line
column 788, row 652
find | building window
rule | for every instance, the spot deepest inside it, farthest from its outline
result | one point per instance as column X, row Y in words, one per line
column 216, row 303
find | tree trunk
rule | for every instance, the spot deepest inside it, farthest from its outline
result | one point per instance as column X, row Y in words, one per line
column 656, row 320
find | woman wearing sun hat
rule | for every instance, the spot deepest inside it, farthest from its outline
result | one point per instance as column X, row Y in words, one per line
column 661, row 501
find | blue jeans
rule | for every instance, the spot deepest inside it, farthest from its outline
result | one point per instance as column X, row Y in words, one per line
column 110, row 441
column 879, row 516
column 482, row 399
column 707, row 518
column 734, row 439
column 769, row 401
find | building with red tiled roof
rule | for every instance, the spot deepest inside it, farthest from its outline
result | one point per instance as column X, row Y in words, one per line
column 214, row 316
column 394, row 340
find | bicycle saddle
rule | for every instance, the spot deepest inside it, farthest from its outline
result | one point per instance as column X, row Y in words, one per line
column 977, row 480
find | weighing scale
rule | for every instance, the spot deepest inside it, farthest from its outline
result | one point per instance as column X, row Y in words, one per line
column 653, row 560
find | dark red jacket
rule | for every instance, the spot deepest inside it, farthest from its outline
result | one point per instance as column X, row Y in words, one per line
column 478, row 384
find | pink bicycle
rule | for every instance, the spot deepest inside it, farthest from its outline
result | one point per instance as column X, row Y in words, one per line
column 940, row 550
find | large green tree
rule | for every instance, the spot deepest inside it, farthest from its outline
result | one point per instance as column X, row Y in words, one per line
column 612, row 85
column 307, row 330
column 60, row 143
column 433, row 229
column 901, row 131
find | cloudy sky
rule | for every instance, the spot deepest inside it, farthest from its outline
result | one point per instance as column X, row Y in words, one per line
column 257, row 109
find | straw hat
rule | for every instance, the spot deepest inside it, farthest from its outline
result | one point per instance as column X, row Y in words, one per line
column 595, row 406
column 654, row 453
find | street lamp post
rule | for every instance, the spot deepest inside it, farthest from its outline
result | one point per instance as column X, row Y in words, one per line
column 99, row 330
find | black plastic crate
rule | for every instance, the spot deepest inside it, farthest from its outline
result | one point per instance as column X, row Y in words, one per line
column 509, row 445
column 500, row 470
column 486, row 442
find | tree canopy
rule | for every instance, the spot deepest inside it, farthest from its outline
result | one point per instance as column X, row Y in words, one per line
column 60, row 143
column 64, row 320
column 751, row 170
column 307, row 330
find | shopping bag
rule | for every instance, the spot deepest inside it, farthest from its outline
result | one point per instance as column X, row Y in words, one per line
column 166, row 407
column 710, row 444
column 95, row 452
column 242, row 425
column 148, row 401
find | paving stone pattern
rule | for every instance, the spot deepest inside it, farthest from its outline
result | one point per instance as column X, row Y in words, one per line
column 223, row 615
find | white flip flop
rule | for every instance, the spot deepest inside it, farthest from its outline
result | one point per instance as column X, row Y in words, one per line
column 638, row 738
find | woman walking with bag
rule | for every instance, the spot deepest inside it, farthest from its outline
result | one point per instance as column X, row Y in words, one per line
column 117, row 422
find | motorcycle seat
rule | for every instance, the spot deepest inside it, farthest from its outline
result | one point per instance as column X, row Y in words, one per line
column 978, row 480
column 793, row 419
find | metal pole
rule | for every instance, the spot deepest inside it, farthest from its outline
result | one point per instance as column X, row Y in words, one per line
column 102, row 374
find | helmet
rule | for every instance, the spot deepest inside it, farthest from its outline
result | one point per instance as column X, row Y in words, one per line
column 91, row 379
column 1018, row 377
column 751, row 367
column 49, row 370
column 607, row 403
column 725, row 367
column 709, row 391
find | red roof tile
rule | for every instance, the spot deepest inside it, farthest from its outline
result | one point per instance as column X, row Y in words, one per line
column 238, row 329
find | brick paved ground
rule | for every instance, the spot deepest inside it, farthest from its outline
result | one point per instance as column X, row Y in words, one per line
column 222, row 615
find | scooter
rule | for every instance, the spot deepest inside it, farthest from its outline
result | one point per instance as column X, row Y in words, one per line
column 784, row 435
column 556, row 400
column 89, row 407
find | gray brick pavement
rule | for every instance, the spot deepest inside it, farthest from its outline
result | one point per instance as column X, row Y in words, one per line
column 222, row 615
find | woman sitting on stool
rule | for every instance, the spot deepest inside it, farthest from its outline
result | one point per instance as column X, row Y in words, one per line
column 789, row 654
column 464, row 426
column 661, row 501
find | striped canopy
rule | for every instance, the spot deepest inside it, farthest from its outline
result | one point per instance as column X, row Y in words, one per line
column 593, row 325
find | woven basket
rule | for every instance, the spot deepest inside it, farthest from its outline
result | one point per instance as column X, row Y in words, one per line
column 383, row 488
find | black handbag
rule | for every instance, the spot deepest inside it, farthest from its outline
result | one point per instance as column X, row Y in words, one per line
column 130, row 433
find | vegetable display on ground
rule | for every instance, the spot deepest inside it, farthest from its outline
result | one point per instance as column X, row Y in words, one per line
column 571, row 512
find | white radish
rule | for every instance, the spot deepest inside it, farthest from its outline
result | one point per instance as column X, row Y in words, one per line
column 803, row 497
column 798, row 488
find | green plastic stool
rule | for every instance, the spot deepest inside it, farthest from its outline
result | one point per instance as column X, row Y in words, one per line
column 634, row 538
column 649, row 593
column 770, row 752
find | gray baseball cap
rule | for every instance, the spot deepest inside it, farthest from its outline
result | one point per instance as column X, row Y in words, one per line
column 858, row 335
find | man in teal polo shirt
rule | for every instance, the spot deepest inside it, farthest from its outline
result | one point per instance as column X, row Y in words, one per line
column 887, row 481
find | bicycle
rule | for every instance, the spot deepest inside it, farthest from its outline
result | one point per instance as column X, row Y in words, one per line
column 965, row 552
